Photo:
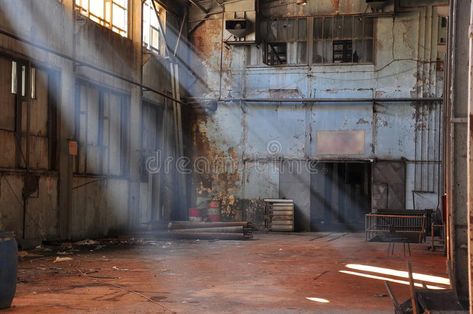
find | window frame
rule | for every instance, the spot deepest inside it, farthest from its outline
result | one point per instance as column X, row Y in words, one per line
column 109, row 24
column 125, row 103
column 273, row 39
column 336, row 38
column 148, row 27
column 23, row 102
column 256, row 54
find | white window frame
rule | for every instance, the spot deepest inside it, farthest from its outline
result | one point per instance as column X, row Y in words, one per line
column 149, row 16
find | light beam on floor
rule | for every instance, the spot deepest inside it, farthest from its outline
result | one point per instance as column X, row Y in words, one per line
column 319, row 300
column 402, row 282
column 399, row 273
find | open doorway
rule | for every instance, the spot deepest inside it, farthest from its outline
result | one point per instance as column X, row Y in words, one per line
column 340, row 196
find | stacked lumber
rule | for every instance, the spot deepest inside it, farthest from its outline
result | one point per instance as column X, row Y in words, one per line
column 280, row 214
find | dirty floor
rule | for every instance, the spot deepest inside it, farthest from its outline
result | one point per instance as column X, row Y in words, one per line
column 274, row 273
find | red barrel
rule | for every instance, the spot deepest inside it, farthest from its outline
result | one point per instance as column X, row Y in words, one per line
column 213, row 212
column 195, row 214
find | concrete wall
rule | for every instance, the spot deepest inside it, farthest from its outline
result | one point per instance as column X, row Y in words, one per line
column 71, row 205
column 259, row 137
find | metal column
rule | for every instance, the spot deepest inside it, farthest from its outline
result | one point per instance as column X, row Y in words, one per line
column 457, row 146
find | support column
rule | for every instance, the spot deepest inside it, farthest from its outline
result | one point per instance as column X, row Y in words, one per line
column 66, row 122
column 135, row 116
column 457, row 159
column 470, row 161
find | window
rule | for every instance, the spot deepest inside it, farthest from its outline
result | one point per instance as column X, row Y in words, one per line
column 112, row 14
column 151, row 134
column 151, row 26
column 101, row 130
column 28, row 115
column 285, row 41
column 343, row 39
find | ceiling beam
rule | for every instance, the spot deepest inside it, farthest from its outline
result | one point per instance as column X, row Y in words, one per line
column 200, row 6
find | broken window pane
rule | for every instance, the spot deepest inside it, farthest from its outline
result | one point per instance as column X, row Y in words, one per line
column 286, row 41
column 276, row 53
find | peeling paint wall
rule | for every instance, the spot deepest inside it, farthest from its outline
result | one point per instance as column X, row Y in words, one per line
column 405, row 65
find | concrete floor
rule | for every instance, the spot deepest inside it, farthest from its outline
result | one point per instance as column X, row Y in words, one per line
column 274, row 273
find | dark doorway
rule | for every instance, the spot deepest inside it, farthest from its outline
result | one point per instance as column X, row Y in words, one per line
column 340, row 196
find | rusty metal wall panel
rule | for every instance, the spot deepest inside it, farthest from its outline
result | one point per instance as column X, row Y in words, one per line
column 389, row 185
column 340, row 142
column 7, row 153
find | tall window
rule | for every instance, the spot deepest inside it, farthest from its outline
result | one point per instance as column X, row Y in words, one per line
column 112, row 14
column 151, row 25
column 343, row 39
column 28, row 115
column 101, row 130
column 285, row 41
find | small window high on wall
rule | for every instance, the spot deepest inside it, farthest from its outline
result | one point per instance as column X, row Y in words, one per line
column 285, row 41
column 112, row 14
column 151, row 25
column 343, row 39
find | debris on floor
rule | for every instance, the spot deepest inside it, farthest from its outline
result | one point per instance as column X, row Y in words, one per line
column 210, row 276
column 62, row 259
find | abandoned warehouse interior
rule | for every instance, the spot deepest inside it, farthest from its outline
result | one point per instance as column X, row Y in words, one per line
column 230, row 156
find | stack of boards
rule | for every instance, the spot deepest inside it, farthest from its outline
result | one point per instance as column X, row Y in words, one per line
column 280, row 214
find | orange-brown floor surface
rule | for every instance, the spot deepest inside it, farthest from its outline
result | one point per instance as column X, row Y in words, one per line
column 273, row 273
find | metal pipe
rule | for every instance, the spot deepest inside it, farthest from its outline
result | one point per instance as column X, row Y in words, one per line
column 470, row 163
column 330, row 100
column 173, row 225
column 237, row 229
column 209, row 236
column 180, row 33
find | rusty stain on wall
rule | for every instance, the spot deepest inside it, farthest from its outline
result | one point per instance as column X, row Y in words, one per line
column 221, row 177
